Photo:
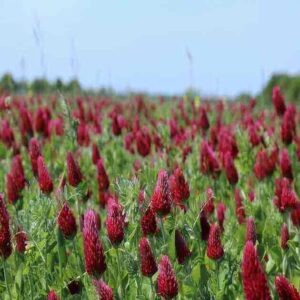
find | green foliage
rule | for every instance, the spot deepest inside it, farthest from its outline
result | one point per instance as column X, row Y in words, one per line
column 51, row 262
column 7, row 83
column 290, row 86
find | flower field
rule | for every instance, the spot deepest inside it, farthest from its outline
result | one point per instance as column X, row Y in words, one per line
column 149, row 198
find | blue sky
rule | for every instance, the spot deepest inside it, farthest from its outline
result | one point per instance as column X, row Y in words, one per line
column 141, row 45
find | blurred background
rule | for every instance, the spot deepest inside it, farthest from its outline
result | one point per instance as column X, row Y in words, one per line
column 220, row 48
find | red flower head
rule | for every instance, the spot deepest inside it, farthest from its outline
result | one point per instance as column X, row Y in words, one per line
column 161, row 198
column 93, row 249
column 83, row 135
column 284, row 236
column 158, row 142
column 273, row 159
column 288, row 127
column 5, row 242
column 278, row 101
column 173, row 128
column 45, row 180
column 103, row 180
column 34, row 153
column 115, row 221
column 95, row 154
column 26, row 122
column 136, row 124
column 42, row 119
column 231, row 172
column 254, row 279
column 285, row 290
column 182, row 250
column 226, row 144
column 115, row 230
column 103, row 198
column 21, row 240
column 5, row 236
column 203, row 122
column 56, row 126
column 7, row 134
column 17, row 172
column 95, row 216
column 128, row 142
column 148, row 222
column 208, row 160
column 295, row 215
column 209, row 206
column 251, row 231
column 285, row 197
column 178, row 186
column 214, row 246
column 143, row 142
column 205, row 226
column 286, row 165
column 4, row 216
column 221, row 209
column 116, row 128
column 12, row 190
column 251, row 195
column 73, row 171
column 148, row 263
column 214, row 136
column 239, row 207
column 167, row 286
column 261, row 165
column 254, row 138
column 66, row 222
column 115, row 209
column 53, row 296
column 103, row 290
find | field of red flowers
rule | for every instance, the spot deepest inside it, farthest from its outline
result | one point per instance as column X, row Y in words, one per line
column 148, row 198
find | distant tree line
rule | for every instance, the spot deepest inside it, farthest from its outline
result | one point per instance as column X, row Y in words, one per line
column 290, row 85
column 41, row 86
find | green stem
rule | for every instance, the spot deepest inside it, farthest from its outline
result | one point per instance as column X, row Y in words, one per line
column 6, row 280
column 152, row 291
column 29, row 275
column 119, row 274
column 217, row 273
column 298, row 237
column 46, row 243
column 138, row 283
column 30, row 285
column 17, row 215
column 45, row 255
column 78, row 208
column 162, row 229
column 78, row 258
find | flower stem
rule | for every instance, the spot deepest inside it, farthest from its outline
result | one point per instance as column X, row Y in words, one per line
column 217, row 273
column 77, row 206
column 162, row 229
column 119, row 274
column 46, row 241
column 298, row 237
column 78, row 258
column 30, row 286
column 152, row 291
column 6, row 280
